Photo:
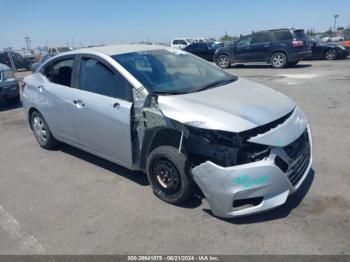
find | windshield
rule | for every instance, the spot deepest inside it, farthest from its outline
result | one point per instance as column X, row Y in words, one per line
column 172, row 71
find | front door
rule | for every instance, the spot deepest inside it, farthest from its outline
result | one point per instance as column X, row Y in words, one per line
column 103, row 111
column 242, row 49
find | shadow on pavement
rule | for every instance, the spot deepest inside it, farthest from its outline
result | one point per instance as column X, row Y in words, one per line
column 135, row 176
column 245, row 66
column 6, row 107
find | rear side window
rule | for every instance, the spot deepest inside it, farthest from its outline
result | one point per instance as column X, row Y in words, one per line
column 283, row 35
column 179, row 42
column 97, row 78
column 261, row 38
column 299, row 34
column 60, row 72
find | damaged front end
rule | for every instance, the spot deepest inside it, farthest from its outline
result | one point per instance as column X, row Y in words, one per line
column 267, row 174
column 239, row 173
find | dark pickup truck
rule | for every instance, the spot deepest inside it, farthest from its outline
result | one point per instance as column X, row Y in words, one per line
column 279, row 47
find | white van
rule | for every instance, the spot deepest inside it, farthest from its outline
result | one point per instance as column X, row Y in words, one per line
column 180, row 43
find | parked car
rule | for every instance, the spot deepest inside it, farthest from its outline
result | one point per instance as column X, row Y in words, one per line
column 180, row 43
column 42, row 60
column 14, row 60
column 56, row 50
column 203, row 50
column 9, row 87
column 327, row 51
column 280, row 48
column 178, row 118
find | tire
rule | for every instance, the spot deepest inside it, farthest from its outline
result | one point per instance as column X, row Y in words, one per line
column 278, row 60
column 169, row 175
column 330, row 54
column 293, row 63
column 13, row 100
column 42, row 132
column 223, row 61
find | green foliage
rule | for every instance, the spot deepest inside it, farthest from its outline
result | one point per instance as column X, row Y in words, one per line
column 227, row 38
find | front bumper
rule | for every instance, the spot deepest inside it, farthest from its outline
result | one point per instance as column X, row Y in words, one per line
column 262, row 180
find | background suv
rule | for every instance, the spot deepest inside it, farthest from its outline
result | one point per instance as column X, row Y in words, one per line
column 280, row 48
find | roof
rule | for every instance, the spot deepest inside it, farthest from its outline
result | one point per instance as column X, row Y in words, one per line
column 119, row 49
column 4, row 67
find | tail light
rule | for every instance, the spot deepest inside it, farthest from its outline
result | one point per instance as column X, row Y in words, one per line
column 298, row 43
column 22, row 85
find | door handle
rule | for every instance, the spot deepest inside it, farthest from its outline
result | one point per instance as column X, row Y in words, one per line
column 41, row 89
column 116, row 105
column 78, row 103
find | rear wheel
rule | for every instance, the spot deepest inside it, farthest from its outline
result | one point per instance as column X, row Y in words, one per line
column 169, row 175
column 223, row 61
column 278, row 60
column 42, row 132
column 331, row 54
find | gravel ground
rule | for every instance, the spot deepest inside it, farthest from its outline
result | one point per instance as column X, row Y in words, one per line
column 70, row 202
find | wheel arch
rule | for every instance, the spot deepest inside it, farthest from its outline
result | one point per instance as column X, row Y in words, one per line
column 30, row 112
column 156, row 137
column 268, row 59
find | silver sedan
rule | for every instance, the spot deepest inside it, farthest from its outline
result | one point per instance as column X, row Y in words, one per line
column 176, row 117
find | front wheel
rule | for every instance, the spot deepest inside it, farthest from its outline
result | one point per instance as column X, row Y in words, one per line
column 278, row 60
column 331, row 54
column 168, row 173
column 223, row 61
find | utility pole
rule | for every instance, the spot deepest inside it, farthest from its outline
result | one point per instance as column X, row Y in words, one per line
column 335, row 22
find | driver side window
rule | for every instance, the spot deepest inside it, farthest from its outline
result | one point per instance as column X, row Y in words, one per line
column 245, row 41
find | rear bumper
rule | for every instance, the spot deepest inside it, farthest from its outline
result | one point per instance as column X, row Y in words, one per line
column 9, row 91
column 262, row 180
column 299, row 56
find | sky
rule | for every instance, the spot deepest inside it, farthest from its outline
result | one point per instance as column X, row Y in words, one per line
column 82, row 22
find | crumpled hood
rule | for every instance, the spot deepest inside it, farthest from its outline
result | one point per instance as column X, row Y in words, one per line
column 235, row 107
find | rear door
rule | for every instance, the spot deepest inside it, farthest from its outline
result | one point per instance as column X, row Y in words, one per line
column 54, row 97
column 259, row 46
column 103, row 110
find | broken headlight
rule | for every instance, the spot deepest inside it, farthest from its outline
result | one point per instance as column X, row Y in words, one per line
column 222, row 147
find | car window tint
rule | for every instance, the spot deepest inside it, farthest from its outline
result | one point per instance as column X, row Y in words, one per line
column 60, row 72
column 283, row 35
column 97, row 78
column 179, row 42
column 245, row 41
column 260, row 38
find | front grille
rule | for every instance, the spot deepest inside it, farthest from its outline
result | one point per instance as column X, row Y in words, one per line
column 299, row 154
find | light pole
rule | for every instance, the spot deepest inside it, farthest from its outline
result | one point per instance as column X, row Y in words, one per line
column 335, row 21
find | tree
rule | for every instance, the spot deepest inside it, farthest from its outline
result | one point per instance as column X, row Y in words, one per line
column 227, row 38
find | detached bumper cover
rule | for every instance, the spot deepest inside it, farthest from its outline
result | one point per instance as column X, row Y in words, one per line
column 264, row 179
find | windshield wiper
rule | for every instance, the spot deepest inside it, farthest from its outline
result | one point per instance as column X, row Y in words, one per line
column 217, row 83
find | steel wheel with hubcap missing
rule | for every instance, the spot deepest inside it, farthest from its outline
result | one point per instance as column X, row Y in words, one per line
column 331, row 54
column 278, row 60
column 223, row 61
column 169, row 175
column 42, row 132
